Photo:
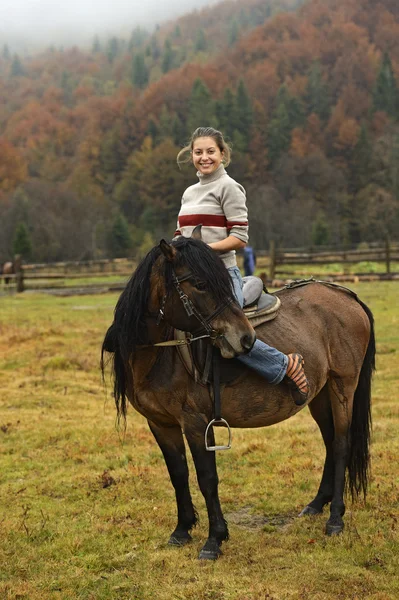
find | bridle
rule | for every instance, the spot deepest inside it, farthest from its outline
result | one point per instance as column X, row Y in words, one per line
column 205, row 330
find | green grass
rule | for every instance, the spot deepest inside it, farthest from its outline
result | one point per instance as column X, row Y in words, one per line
column 85, row 512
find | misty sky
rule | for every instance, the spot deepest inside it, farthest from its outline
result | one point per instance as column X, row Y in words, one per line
column 29, row 23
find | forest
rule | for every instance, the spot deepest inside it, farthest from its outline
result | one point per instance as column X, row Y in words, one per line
column 307, row 94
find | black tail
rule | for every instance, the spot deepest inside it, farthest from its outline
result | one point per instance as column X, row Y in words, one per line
column 111, row 344
column 359, row 459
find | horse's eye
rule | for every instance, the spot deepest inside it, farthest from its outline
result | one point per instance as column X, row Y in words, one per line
column 200, row 285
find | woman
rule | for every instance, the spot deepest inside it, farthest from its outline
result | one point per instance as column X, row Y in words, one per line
column 218, row 203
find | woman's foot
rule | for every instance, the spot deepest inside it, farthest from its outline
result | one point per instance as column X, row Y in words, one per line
column 296, row 378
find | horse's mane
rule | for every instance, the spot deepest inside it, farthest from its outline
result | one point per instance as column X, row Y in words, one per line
column 129, row 327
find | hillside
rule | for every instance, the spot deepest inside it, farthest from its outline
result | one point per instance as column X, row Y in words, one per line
column 308, row 98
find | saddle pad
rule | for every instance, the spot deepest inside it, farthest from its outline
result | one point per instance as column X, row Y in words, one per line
column 265, row 310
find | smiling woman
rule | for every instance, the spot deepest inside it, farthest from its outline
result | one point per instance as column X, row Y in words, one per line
column 218, row 203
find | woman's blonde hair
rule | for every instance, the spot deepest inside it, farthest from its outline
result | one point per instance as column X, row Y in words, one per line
column 200, row 132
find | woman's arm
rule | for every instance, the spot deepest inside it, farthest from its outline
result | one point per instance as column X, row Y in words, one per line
column 230, row 243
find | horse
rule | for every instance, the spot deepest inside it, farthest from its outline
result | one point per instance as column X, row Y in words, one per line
column 8, row 269
column 185, row 285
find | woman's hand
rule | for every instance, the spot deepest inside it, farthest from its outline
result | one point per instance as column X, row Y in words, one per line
column 230, row 243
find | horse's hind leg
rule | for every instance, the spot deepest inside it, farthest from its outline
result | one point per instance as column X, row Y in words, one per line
column 320, row 409
column 170, row 440
column 332, row 410
column 205, row 464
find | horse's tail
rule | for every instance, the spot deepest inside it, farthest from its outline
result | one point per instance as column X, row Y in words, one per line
column 111, row 344
column 360, row 430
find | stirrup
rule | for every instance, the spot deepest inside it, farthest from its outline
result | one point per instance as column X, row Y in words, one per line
column 210, row 424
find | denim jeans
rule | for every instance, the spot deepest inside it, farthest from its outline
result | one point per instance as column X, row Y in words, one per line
column 265, row 360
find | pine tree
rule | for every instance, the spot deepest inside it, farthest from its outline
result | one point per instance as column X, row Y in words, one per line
column 16, row 67
column 320, row 231
column 139, row 71
column 119, row 240
column 177, row 32
column 200, row 42
column 287, row 115
column 22, row 243
column 226, row 113
column 385, row 92
column 361, row 159
column 201, row 109
column 317, row 97
column 233, row 33
column 96, row 47
column 137, row 38
column 6, row 52
column 168, row 57
column 243, row 116
column 112, row 49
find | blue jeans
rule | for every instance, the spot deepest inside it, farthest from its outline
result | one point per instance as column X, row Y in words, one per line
column 265, row 360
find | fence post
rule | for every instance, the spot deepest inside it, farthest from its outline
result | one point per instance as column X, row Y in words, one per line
column 19, row 273
column 387, row 254
column 272, row 259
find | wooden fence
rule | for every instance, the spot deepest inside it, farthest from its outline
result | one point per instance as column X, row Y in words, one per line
column 277, row 263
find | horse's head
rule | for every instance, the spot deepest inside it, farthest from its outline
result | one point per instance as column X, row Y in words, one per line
column 193, row 291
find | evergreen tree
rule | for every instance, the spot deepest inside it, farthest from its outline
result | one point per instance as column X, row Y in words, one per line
column 243, row 116
column 177, row 32
column 139, row 71
column 153, row 130
column 16, row 67
column 22, row 243
column 96, row 47
column 200, row 44
column 201, row 107
column 137, row 38
column 168, row 57
column 320, row 231
column 119, row 240
column 287, row 115
column 112, row 49
column 233, row 33
column 317, row 97
column 225, row 111
column 385, row 92
column 361, row 160
column 6, row 52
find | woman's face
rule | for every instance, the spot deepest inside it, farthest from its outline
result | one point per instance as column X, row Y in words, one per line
column 206, row 155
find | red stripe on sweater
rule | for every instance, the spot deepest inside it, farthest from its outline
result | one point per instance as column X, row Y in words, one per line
column 205, row 220
column 231, row 224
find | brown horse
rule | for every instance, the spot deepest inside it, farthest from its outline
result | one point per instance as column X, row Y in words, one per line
column 186, row 286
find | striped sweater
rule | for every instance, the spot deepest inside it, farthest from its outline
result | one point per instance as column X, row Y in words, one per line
column 217, row 202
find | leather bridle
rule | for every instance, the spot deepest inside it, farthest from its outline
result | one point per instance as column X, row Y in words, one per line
column 205, row 330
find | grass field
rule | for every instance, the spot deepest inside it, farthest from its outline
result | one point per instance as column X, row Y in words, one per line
column 85, row 512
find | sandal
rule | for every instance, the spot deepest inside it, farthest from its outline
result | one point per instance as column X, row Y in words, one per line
column 296, row 379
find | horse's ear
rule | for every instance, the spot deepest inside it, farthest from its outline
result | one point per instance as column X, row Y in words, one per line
column 167, row 250
column 196, row 233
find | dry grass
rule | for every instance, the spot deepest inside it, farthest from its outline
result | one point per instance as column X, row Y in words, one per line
column 86, row 515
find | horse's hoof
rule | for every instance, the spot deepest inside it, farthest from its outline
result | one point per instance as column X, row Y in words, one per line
column 209, row 554
column 179, row 541
column 334, row 529
column 310, row 511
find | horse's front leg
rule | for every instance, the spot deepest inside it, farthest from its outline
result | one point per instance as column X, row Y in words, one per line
column 205, row 464
column 170, row 440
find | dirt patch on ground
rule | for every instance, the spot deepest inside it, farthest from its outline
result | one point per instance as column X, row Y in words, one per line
column 247, row 519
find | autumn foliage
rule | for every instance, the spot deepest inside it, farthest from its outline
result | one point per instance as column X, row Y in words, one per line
column 306, row 93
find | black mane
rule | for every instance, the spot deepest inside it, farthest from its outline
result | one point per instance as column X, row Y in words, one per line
column 129, row 320
column 128, row 330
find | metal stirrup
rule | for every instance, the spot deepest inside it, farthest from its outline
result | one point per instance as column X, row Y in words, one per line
column 217, row 420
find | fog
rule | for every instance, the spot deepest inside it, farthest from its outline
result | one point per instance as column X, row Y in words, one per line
column 29, row 24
